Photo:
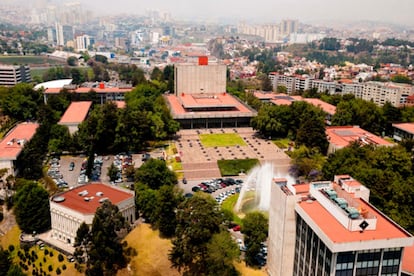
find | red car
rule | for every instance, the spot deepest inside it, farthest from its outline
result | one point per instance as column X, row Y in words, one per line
column 236, row 228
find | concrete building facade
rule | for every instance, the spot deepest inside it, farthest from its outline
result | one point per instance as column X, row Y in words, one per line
column 70, row 209
column 330, row 228
column 13, row 74
column 200, row 79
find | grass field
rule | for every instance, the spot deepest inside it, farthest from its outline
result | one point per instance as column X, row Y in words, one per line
column 29, row 60
column 228, row 204
column 234, row 167
column 221, row 140
column 282, row 143
column 152, row 258
column 12, row 238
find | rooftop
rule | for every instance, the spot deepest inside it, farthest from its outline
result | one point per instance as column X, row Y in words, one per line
column 214, row 105
column 12, row 144
column 328, row 108
column 329, row 224
column 76, row 112
column 89, row 89
column 408, row 260
column 343, row 135
column 86, row 199
column 407, row 127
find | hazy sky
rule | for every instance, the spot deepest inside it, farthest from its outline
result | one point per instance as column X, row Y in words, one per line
column 396, row 11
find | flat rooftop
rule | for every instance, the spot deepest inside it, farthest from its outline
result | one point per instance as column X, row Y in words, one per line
column 344, row 135
column 386, row 229
column 76, row 112
column 193, row 106
column 75, row 200
column 328, row 108
column 407, row 127
column 83, row 90
column 12, row 144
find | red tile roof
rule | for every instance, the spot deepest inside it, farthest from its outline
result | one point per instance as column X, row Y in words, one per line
column 76, row 202
column 75, row 113
column 89, row 89
column 328, row 108
column 11, row 146
column 407, row 127
column 343, row 135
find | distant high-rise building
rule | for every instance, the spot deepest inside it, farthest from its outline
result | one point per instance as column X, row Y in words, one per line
column 64, row 33
column 288, row 26
column 83, row 42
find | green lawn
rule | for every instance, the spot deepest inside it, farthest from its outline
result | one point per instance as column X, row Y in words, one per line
column 221, row 140
column 282, row 143
column 29, row 60
column 234, row 167
column 229, row 204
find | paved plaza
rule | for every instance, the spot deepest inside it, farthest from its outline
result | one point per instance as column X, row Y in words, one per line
column 200, row 162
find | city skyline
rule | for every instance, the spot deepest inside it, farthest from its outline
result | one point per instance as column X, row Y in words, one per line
column 266, row 10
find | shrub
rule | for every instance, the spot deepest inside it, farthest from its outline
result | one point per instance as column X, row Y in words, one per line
column 60, row 257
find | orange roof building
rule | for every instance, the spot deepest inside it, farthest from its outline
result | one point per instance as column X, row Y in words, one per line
column 332, row 229
column 201, row 100
column 403, row 131
column 12, row 145
column 74, row 115
column 70, row 209
column 341, row 136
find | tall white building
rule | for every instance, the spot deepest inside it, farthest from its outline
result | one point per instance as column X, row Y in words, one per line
column 382, row 92
column 82, row 42
column 330, row 228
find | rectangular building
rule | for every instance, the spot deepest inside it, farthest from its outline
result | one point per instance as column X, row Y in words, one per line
column 12, row 145
column 330, row 228
column 11, row 75
column 74, row 115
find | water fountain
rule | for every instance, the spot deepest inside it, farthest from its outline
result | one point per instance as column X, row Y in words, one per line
column 260, row 180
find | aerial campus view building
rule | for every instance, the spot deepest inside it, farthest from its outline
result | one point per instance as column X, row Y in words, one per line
column 68, row 210
column 330, row 228
column 201, row 101
column 12, row 145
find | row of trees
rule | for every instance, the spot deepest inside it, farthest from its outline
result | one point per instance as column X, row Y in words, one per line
column 300, row 121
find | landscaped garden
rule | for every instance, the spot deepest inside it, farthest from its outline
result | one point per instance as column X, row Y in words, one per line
column 221, row 140
column 236, row 166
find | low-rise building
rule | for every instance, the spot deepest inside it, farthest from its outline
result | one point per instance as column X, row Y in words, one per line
column 12, row 145
column 341, row 136
column 70, row 209
column 75, row 114
column 403, row 131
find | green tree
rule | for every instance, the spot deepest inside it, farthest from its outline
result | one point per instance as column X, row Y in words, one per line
column 222, row 251
column 311, row 132
column 22, row 102
column 154, row 173
column 401, row 79
column 112, row 172
column 254, row 228
column 266, row 83
column 272, row 120
column 157, row 74
column 165, row 210
column 146, row 202
column 198, row 219
column 15, row 270
column 106, row 253
column 72, row 61
column 31, row 209
column 5, row 261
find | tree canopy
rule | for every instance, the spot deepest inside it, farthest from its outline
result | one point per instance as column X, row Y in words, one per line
column 31, row 207
column 103, row 246
column 254, row 228
column 154, row 173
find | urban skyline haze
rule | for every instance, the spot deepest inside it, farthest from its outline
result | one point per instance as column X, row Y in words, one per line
column 269, row 11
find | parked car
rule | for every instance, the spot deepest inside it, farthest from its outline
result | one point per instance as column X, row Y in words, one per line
column 236, row 228
column 71, row 166
column 184, row 180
